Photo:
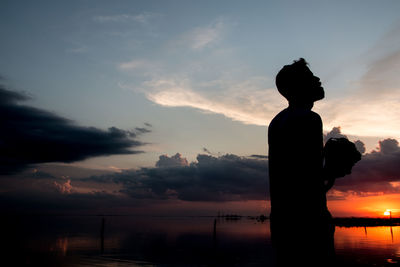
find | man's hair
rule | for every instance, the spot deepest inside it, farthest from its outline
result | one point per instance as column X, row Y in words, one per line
column 289, row 76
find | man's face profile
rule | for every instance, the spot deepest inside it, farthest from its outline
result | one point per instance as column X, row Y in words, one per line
column 312, row 84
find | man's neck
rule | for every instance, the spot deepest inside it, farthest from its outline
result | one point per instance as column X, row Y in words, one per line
column 301, row 105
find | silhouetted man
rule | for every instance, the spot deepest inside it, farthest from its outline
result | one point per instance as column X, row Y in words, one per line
column 301, row 227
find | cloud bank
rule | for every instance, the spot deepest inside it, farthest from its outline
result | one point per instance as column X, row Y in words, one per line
column 376, row 174
column 30, row 136
column 232, row 178
column 210, row 179
column 225, row 178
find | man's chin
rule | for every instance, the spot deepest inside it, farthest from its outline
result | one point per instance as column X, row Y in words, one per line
column 320, row 95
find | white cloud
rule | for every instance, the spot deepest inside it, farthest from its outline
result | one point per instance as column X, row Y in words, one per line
column 245, row 102
column 142, row 18
column 78, row 49
column 252, row 103
column 364, row 115
column 201, row 37
column 137, row 64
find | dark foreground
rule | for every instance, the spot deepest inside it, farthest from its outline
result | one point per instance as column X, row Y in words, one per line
column 176, row 241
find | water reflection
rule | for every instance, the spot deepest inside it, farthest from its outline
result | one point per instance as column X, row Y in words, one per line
column 61, row 246
column 183, row 241
column 371, row 246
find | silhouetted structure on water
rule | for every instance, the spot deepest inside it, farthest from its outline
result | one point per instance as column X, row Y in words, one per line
column 103, row 221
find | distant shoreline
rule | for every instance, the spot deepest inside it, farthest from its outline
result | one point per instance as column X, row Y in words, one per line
column 338, row 221
column 364, row 222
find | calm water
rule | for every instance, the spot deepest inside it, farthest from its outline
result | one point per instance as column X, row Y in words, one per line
column 178, row 241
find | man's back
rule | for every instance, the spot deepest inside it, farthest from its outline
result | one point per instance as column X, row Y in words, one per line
column 295, row 163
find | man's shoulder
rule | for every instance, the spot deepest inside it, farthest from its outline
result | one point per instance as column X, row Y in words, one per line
column 296, row 116
column 314, row 116
column 280, row 115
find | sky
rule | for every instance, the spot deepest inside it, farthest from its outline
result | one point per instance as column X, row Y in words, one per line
column 163, row 106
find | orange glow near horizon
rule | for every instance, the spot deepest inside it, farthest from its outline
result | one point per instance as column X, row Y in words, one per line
column 368, row 206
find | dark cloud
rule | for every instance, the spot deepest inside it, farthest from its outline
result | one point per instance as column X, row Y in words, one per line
column 377, row 172
column 62, row 170
column 209, row 179
column 64, row 187
column 141, row 130
column 259, row 156
column 30, row 135
column 389, row 146
column 37, row 174
column 205, row 150
column 230, row 177
column 224, row 178
column 60, row 203
column 336, row 132
column 360, row 146
column 173, row 161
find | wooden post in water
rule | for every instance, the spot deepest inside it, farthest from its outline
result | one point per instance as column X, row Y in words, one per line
column 215, row 231
column 102, row 235
column 214, row 255
column 391, row 232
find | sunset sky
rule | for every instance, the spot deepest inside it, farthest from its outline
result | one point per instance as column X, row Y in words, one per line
column 163, row 106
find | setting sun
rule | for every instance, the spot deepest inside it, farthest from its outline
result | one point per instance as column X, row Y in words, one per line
column 387, row 212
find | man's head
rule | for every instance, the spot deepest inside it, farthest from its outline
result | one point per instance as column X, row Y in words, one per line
column 298, row 84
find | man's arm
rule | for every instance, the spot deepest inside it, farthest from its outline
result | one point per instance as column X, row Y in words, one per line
column 329, row 180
